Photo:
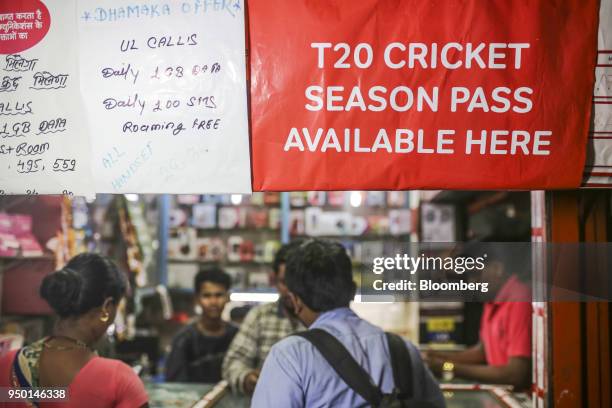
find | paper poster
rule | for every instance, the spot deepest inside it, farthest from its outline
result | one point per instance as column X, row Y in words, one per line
column 598, row 168
column 165, row 91
column 44, row 147
column 397, row 95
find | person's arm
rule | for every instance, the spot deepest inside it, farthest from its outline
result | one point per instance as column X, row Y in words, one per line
column 472, row 355
column 130, row 391
column 240, row 360
column 177, row 361
column 278, row 385
column 515, row 373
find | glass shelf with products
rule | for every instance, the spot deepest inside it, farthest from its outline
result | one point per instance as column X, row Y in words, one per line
column 239, row 233
column 367, row 223
column 215, row 263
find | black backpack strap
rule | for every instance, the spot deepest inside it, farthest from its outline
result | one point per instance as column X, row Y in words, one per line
column 344, row 364
column 402, row 366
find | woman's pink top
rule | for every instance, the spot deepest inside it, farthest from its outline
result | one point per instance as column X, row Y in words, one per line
column 101, row 383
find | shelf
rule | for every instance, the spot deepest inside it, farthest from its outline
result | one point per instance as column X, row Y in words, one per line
column 229, row 230
column 349, row 208
column 45, row 257
column 248, row 205
column 256, row 291
column 222, row 263
column 237, row 295
column 241, row 205
column 354, row 237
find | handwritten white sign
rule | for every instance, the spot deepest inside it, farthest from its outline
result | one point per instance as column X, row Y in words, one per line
column 44, row 148
column 165, row 91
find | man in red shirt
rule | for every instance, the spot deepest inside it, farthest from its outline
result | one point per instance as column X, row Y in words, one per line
column 503, row 355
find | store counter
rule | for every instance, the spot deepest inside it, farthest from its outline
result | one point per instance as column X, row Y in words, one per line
column 171, row 395
column 483, row 396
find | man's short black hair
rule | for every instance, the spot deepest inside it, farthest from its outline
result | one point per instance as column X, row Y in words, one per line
column 320, row 273
column 213, row 274
column 281, row 255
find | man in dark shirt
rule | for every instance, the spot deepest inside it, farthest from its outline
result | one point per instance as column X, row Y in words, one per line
column 199, row 348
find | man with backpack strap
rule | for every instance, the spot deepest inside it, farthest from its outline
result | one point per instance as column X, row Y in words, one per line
column 342, row 360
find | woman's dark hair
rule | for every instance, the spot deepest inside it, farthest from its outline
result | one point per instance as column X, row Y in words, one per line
column 83, row 284
column 214, row 275
column 320, row 273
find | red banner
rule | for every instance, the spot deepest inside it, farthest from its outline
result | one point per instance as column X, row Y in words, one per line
column 404, row 94
column 23, row 24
